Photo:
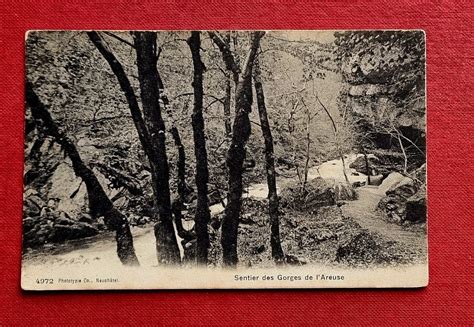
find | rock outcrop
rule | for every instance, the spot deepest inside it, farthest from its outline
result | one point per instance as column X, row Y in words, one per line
column 405, row 198
column 55, row 200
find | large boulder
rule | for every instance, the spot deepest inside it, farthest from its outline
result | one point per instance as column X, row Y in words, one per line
column 405, row 198
column 68, row 190
column 405, row 188
column 344, row 192
column 317, row 193
column 394, row 203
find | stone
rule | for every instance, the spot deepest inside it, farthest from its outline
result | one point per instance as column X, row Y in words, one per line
column 344, row 191
column 392, row 179
column 62, row 220
column 259, row 249
column 360, row 166
column 357, row 90
column 36, row 200
column 405, row 200
column 405, row 188
column 65, row 183
column 30, row 208
column 319, row 193
column 246, row 219
column 28, row 224
column 293, row 260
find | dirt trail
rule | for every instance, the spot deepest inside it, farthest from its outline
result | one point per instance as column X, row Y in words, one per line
column 363, row 211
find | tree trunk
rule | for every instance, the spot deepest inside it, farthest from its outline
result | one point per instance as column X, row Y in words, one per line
column 203, row 215
column 146, row 49
column 35, row 149
column 182, row 187
column 99, row 203
column 227, row 98
column 277, row 251
column 405, row 158
column 341, row 155
column 367, row 166
column 236, row 154
column 227, row 122
column 151, row 138
column 308, row 148
column 336, row 140
column 178, row 205
column 127, row 89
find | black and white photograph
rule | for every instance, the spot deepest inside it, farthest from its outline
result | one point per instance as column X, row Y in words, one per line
column 224, row 159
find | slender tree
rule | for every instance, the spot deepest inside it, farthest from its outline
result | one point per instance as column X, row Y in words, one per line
column 240, row 135
column 277, row 251
column 203, row 215
column 151, row 131
column 183, row 190
column 367, row 165
column 227, row 97
column 99, row 202
column 146, row 49
column 336, row 139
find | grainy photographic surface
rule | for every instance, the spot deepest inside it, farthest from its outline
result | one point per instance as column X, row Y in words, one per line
column 224, row 159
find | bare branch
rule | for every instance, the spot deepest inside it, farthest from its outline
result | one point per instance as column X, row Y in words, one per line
column 253, row 47
column 120, row 39
column 227, row 55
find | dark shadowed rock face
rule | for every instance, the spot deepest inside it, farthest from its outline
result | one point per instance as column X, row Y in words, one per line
column 416, row 207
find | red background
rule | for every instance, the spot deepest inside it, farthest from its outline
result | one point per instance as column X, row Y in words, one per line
column 447, row 299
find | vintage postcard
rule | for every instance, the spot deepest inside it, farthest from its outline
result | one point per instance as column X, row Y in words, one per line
column 224, row 159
